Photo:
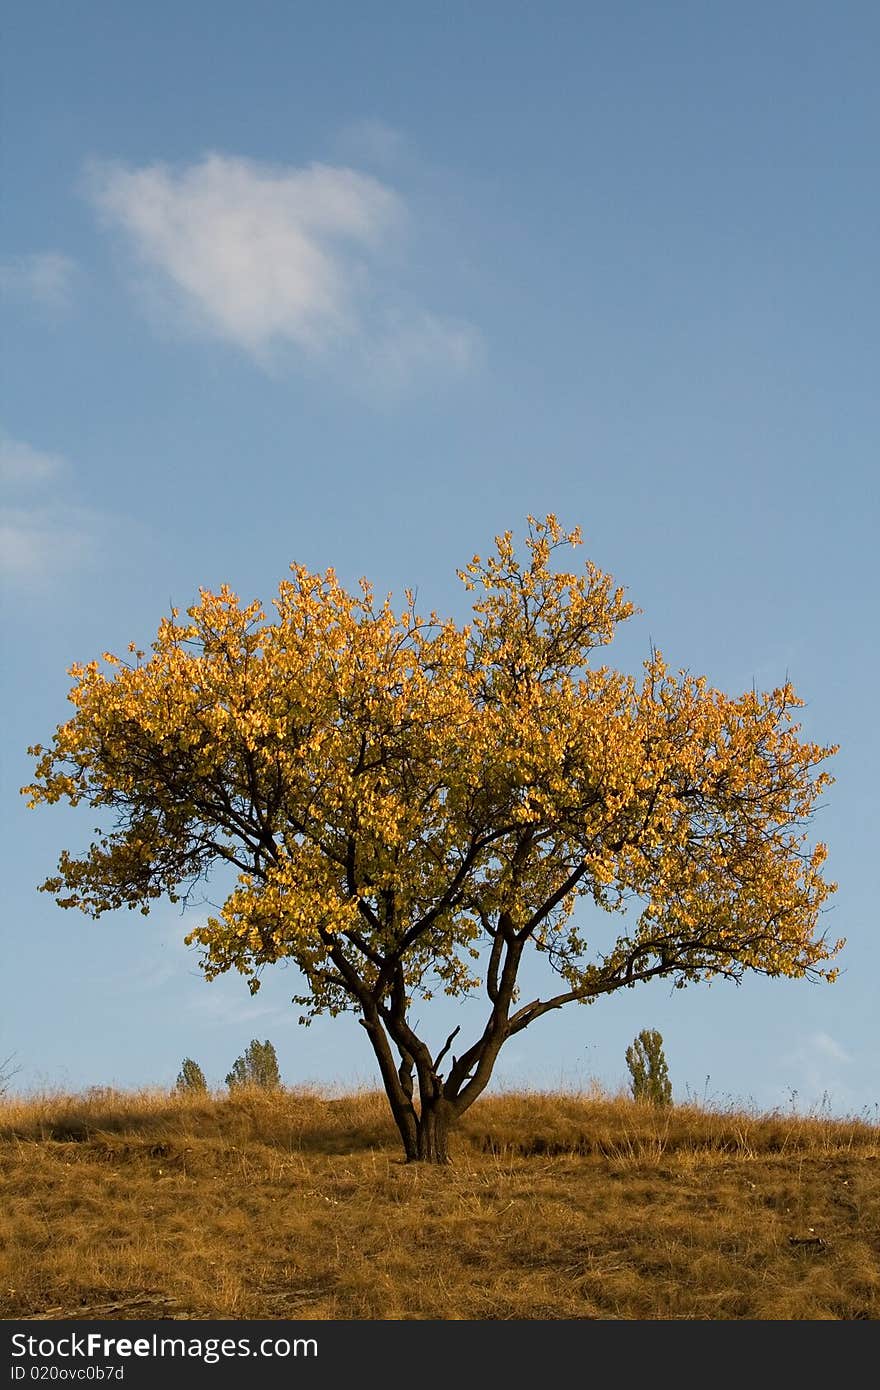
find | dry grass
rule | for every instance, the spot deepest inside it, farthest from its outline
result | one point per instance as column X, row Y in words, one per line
column 556, row 1207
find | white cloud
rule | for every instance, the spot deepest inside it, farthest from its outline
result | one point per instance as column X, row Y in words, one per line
column 259, row 254
column 46, row 276
column 274, row 257
column 20, row 463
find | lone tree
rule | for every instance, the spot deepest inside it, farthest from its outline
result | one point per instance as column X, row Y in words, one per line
column 258, row 1066
column 412, row 805
column 191, row 1078
column 648, row 1068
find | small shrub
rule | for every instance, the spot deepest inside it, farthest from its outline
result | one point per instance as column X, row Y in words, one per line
column 258, row 1066
column 648, row 1068
column 191, row 1078
column 7, row 1072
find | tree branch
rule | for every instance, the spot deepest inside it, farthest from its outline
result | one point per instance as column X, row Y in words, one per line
column 446, row 1046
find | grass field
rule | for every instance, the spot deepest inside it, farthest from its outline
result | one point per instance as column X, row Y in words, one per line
column 294, row 1205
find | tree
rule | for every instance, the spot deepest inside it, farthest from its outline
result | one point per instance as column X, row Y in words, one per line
column 648, row 1069
column 410, row 805
column 191, row 1078
column 258, row 1066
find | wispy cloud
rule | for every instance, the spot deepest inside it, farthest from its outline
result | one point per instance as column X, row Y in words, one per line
column 21, row 464
column 270, row 258
column 409, row 347
column 817, row 1066
column 374, row 142
column 38, row 543
column 41, row 535
column 822, row 1045
column 45, row 276
column 216, row 1005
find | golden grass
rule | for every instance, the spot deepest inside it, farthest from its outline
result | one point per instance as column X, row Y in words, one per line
column 295, row 1205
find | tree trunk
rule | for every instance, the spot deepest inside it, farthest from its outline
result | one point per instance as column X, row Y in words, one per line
column 408, row 1128
column 436, row 1119
column 424, row 1130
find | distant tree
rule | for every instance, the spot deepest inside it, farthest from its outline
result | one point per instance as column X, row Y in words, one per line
column 191, row 1077
column 258, row 1066
column 412, row 807
column 648, row 1068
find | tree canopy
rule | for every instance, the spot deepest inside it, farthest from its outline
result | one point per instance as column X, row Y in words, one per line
column 257, row 1066
column 410, row 804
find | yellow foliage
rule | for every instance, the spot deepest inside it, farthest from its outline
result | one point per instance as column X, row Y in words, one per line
column 397, row 792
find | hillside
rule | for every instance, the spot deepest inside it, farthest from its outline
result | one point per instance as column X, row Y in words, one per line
column 294, row 1205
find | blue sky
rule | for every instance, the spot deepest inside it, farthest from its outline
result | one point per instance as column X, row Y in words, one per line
column 363, row 286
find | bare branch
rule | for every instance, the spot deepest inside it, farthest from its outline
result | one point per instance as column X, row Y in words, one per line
column 445, row 1048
